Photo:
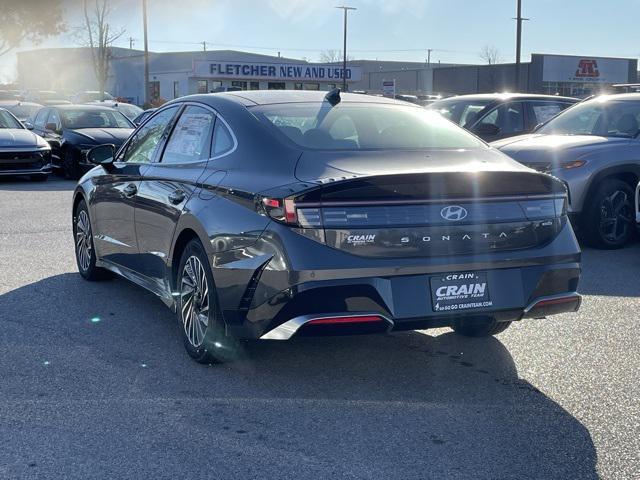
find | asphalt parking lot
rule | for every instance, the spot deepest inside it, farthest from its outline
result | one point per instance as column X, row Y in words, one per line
column 94, row 383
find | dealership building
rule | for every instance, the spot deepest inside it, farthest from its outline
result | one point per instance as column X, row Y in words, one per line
column 575, row 76
column 175, row 74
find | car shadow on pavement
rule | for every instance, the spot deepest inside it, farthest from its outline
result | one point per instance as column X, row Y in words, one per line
column 402, row 405
column 611, row 272
column 23, row 184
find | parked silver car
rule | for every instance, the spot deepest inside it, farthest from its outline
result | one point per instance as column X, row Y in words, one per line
column 594, row 148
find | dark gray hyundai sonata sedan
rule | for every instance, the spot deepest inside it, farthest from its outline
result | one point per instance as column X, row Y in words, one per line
column 268, row 214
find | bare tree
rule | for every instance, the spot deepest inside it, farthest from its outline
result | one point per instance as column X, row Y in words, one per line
column 490, row 54
column 97, row 34
column 25, row 20
column 332, row 56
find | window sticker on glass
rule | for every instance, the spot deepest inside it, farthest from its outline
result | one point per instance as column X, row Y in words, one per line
column 190, row 137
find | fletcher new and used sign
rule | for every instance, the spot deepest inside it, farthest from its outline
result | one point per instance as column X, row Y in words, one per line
column 557, row 68
column 275, row 71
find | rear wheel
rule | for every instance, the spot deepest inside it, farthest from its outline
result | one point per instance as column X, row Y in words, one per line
column 201, row 322
column 480, row 328
column 85, row 253
column 608, row 219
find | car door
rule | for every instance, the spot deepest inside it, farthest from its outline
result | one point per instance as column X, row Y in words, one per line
column 168, row 184
column 505, row 120
column 116, row 193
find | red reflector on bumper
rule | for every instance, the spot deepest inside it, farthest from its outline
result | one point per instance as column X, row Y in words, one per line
column 344, row 320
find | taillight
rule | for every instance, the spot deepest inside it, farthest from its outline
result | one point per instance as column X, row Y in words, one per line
column 281, row 210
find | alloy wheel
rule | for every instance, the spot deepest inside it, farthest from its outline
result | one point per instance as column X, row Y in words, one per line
column 84, row 246
column 615, row 216
column 194, row 294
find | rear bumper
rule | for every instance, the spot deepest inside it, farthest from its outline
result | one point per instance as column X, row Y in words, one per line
column 261, row 287
column 373, row 322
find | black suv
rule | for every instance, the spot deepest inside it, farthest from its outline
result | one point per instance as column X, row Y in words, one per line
column 494, row 116
column 267, row 214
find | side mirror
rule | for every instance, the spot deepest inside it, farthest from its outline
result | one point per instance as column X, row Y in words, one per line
column 51, row 127
column 486, row 129
column 102, row 154
column 28, row 125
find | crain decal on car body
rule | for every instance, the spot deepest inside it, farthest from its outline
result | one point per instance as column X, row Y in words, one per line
column 360, row 239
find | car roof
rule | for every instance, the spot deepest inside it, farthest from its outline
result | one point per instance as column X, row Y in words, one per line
column 268, row 97
column 619, row 96
column 94, row 108
column 509, row 96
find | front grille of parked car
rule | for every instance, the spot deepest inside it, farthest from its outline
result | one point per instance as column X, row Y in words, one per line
column 20, row 160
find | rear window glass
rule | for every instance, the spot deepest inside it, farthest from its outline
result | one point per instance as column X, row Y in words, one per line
column 364, row 126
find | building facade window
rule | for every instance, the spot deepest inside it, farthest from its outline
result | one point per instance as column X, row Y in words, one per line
column 311, row 86
column 215, row 85
column 240, row 84
column 154, row 90
column 254, row 86
column 176, row 89
column 203, row 87
column 297, row 86
column 276, row 86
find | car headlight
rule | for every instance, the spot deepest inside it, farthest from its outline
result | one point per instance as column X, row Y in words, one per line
column 571, row 165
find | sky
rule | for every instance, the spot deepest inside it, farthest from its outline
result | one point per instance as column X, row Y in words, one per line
column 456, row 30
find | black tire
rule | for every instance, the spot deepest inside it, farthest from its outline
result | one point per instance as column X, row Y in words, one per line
column 43, row 177
column 205, row 342
column 70, row 167
column 608, row 219
column 82, row 237
column 477, row 328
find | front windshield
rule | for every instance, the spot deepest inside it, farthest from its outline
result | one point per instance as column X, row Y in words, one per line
column 24, row 111
column 601, row 116
column 364, row 126
column 460, row 111
column 129, row 111
column 86, row 118
column 8, row 121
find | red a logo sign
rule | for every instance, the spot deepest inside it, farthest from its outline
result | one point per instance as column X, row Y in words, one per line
column 587, row 68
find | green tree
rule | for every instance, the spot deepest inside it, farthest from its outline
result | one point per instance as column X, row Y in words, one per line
column 29, row 20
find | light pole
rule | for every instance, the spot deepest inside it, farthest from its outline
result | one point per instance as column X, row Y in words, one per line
column 344, row 48
column 146, row 54
column 518, row 20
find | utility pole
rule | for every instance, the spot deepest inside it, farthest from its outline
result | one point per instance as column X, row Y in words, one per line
column 130, row 43
column 518, row 20
column 344, row 48
column 204, row 46
column 146, row 53
column 429, row 50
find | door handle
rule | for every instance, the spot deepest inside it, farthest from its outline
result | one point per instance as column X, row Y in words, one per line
column 130, row 190
column 177, row 196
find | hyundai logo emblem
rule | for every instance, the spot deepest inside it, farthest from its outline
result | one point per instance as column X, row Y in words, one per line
column 453, row 213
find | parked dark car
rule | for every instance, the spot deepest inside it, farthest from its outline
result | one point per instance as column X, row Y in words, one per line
column 267, row 214
column 22, row 152
column 23, row 111
column 128, row 110
column 495, row 116
column 594, row 148
column 72, row 130
column 139, row 120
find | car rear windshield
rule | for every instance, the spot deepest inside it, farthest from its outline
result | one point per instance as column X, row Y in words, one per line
column 84, row 118
column 8, row 121
column 364, row 126
column 601, row 116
